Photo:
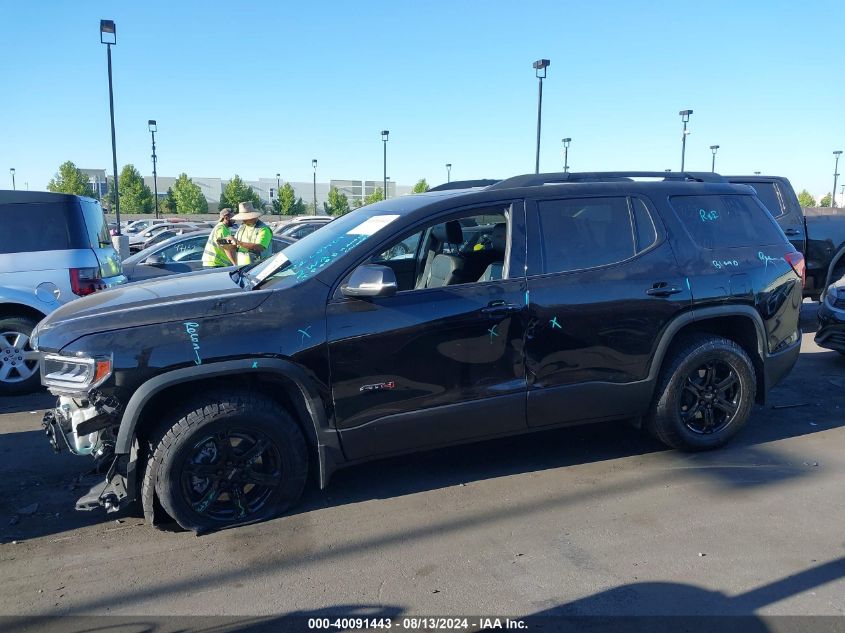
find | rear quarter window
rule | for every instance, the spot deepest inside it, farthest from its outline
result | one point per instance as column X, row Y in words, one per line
column 726, row 221
column 95, row 223
column 42, row 226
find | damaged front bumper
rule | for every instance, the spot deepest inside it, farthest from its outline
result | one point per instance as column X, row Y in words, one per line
column 87, row 425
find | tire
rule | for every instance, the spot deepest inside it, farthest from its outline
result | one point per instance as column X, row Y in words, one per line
column 232, row 459
column 19, row 371
column 693, row 410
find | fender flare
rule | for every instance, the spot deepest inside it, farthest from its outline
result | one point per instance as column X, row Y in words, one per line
column 701, row 314
column 329, row 453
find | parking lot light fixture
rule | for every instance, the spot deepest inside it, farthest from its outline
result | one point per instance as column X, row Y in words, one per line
column 566, row 142
column 448, row 172
column 540, row 72
column 384, row 135
column 314, row 165
column 108, row 36
column 278, row 188
column 837, row 153
column 12, row 171
column 756, row 173
column 153, row 129
column 714, row 149
column 685, row 118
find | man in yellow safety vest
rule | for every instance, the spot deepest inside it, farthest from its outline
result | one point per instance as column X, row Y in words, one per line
column 253, row 238
column 216, row 253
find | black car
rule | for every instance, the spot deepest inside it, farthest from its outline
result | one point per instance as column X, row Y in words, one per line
column 831, row 332
column 536, row 302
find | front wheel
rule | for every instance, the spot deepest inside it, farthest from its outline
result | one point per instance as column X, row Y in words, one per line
column 230, row 460
column 704, row 396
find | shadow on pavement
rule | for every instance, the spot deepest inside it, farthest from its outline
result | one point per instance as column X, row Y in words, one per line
column 652, row 607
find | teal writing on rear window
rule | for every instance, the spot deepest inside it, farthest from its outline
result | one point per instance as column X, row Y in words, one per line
column 727, row 221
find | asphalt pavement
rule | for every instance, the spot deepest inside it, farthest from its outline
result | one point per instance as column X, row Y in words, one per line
column 588, row 520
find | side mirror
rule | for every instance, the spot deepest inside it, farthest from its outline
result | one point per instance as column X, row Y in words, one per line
column 155, row 260
column 370, row 280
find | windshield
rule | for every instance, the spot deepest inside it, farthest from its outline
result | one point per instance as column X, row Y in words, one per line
column 307, row 257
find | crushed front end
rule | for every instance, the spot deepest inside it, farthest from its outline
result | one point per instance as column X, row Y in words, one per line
column 85, row 421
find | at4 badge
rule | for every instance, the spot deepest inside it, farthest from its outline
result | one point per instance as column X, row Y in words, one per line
column 378, row 386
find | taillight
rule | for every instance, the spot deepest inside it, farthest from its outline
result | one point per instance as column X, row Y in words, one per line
column 796, row 260
column 85, row 281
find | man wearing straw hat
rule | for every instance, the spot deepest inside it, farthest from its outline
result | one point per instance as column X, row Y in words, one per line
column 253, row 237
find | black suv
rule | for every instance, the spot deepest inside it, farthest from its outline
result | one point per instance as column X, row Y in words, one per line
column 426, row 320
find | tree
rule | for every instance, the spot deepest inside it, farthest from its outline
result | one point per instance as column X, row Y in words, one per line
column 298, row 208
column 805, row 199
column 167, row 203
column 375, row 196
column 70, row 179
column 825, row 202
column 135, row 196
column 286, row 200
column 421, row 186
column 188, row 195
column 338, row 203
column 238, row 191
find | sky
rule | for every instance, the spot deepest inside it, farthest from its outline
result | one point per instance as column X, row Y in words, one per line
column 259, row 87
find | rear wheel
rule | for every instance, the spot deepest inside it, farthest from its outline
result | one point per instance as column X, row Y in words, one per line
column 704, row 396
column 231, row 460
column 18, row 362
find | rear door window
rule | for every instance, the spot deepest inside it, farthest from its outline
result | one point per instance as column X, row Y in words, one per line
column 42, row 226
column 726, row 221
column 584, row 233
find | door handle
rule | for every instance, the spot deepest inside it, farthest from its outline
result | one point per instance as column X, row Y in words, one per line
column 661, row 289
column 792, row 232
column 500, row 308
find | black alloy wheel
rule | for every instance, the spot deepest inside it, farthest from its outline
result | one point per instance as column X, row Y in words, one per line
column 710, row 398
column 231, row 475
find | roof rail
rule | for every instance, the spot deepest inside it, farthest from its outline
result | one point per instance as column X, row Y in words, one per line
column 536, row 180
column 464, row 184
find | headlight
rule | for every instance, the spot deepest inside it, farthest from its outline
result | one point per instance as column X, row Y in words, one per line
column 74, row 374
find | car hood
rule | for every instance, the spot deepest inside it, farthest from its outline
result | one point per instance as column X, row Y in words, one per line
column 173, row 298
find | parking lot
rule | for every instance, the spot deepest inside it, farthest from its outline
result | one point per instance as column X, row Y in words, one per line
column 580, row 521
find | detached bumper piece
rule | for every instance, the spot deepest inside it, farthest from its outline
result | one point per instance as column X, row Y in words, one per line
column 86, row 425
column 110, row 494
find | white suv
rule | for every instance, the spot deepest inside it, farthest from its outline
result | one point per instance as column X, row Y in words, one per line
column 55, row 248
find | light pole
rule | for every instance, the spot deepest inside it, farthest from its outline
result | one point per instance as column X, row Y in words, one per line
column 685, row 118
column 153, row 129
column 108, row 36
column 756, row 173
column 12, row 171
column 713, row 148
column 278, row 189
column 384, row 135
column 314, row 165
column 566, row 142
column 448, row 172
column 837, row 153
column 539, row 65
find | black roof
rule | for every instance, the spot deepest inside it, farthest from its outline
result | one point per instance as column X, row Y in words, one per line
column 7, row 196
